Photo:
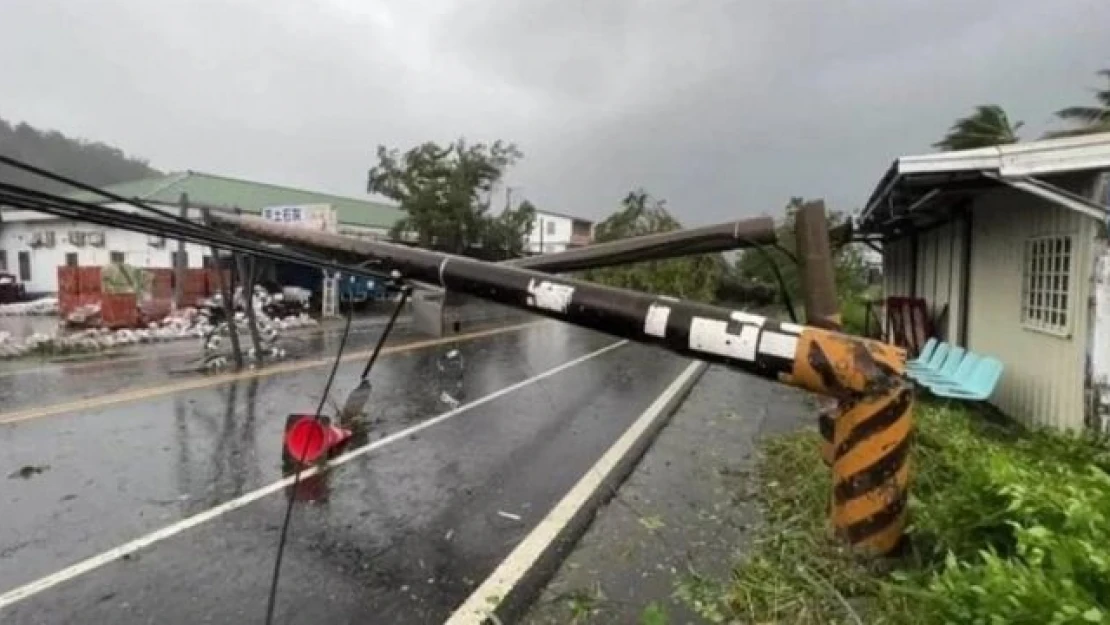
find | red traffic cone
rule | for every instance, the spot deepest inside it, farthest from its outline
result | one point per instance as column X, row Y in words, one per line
column 308, row 439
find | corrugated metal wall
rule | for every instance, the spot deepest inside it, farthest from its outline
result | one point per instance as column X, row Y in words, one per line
column 939, row 273
column 1044, row 378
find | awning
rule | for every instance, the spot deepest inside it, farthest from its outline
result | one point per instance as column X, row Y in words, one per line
column 918, row 192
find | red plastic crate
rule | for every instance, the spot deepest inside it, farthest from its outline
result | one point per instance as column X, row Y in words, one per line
column 67, row 280
column 119, row 310
column 88, row 280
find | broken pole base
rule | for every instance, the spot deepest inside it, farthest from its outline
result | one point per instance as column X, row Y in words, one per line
column 871, row 470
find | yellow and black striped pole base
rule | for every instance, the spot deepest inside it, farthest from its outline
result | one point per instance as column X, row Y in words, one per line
column 826, row 425
column 871, row 470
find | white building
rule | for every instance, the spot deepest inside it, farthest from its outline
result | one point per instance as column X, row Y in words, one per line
column 1008, row 247
column 555, row 232
column 33, row 245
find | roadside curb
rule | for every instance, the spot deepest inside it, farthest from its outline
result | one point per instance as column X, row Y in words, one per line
column 508, row 591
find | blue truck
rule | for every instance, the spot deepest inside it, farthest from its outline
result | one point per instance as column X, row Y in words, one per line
column 359, row 289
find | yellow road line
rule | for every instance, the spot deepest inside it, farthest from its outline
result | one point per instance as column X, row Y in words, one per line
column 206, row 382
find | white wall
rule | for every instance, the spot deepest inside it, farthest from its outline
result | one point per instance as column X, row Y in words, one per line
column 556, row 231
column 1045, row 373
column 1045, row 377
column 15, row 237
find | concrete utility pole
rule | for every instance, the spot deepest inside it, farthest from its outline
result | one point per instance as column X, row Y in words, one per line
column 868, row 453
column 814, row 251
column 179, row 264
column 866, row 376
column 704, row 240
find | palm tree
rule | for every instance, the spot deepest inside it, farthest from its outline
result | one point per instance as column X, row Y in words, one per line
column 1087, row 119
column 988, row 125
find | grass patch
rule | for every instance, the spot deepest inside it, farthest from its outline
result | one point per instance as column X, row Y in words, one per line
column 1007, row 526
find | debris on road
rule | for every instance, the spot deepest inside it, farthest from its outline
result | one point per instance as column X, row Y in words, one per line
column 447, row 399
column 275, row 313
column 41, row 306
column 26, row 472
column 508, row 515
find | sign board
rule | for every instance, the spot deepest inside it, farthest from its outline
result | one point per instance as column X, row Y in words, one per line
column 313, row 216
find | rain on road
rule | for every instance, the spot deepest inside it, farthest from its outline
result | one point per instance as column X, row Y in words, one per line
column 398, row 535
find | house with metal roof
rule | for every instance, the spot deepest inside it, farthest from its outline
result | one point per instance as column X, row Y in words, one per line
column 1007, row 249
column 33, row 245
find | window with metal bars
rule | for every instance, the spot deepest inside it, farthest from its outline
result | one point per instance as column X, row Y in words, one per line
column 1046, row 284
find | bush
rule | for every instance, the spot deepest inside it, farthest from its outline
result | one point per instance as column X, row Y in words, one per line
column 1007, row 526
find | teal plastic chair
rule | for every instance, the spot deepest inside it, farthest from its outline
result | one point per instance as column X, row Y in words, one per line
column 934, row 362
column 947, row 368
column 978, row 386
column 962, row 373
column 924, row 355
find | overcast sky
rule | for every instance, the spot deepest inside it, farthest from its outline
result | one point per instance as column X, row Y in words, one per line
column 725, row 109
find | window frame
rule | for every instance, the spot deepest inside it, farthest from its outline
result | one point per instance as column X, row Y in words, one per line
column 112, row 255
column 1038, row 270
column 20, row 256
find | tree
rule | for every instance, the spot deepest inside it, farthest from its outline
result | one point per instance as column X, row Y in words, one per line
column 754, row 267
column 988, row 125
column 446, row 193
column 693, row 277
column 87, row 161
column 1087, row 119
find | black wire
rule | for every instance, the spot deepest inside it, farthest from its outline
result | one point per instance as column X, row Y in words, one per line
column 783, row 290
column 272, row 599
column 81, row 211
column 778, row 246
column 18, row 164
column 405, row 290
column 205, row 231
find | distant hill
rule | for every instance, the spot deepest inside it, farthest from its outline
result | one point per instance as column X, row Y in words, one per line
column 91, row 162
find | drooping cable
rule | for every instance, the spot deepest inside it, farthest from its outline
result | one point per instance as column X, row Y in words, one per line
column 29, row 199
column 271, row 601
column 405, row 291
column 783, row 290
column 284, row 536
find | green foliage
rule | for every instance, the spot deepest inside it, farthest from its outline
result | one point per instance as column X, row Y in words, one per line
column 693, row 277
column 1007, row 526
column 1085, row 119
column 988, row 125
column 654, row 614
column 88, row 161
column 446, row 193
column 850, row 270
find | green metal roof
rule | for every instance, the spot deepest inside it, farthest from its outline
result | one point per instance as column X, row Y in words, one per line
column 212, row 190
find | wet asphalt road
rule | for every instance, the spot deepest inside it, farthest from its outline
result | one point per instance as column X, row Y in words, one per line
column 400, row 535
column 24, row 387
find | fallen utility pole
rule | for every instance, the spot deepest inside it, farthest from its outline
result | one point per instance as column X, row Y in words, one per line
column 863, row 374
column 688, row 242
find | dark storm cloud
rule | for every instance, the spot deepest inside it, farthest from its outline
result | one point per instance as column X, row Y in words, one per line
column 723, row 108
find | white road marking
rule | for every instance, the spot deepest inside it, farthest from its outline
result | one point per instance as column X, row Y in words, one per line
column 80, row 568
column 482, row 604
